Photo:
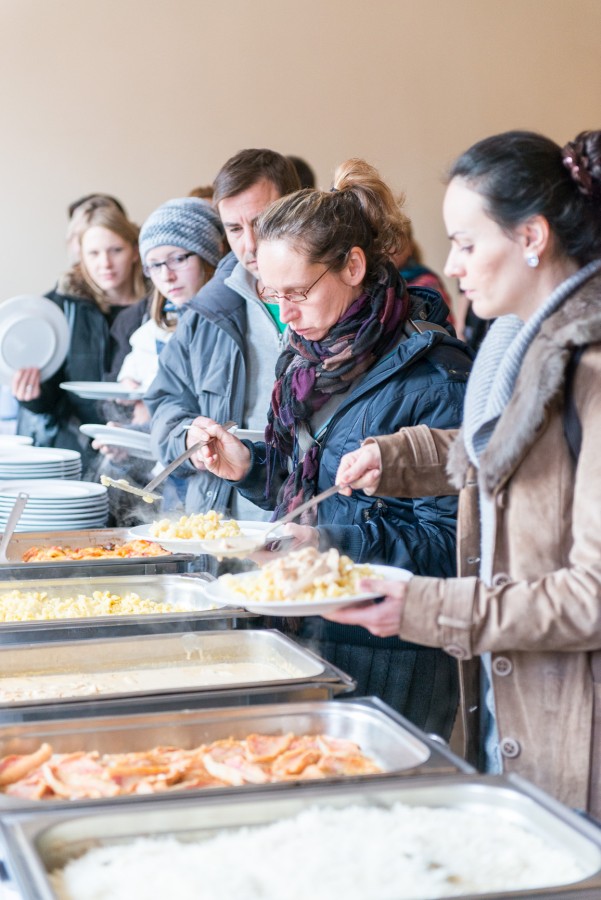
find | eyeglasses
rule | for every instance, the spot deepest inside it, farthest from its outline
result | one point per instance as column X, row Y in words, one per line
column 173, row 262
column 269, row 296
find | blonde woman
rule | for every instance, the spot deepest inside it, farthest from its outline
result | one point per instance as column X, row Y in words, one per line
column 92, row 293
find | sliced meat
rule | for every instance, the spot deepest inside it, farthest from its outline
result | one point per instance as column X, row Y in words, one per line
column 12, row 768
column 265, row 747
column 227, row 761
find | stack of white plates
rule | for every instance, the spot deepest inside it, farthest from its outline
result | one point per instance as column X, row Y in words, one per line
column 56, row 505
column 38, row 462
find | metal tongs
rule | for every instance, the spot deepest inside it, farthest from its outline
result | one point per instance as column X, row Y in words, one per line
column 242, row 546
column 147, row 493
column 299, row 510
column 11, row 524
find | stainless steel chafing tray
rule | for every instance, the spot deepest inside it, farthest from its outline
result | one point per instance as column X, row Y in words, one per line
column 141, row 565
column 297, row 669
column 38, row 843
column 174, row 590
column 389, row 739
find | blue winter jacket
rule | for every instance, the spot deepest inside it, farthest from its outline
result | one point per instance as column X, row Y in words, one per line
column 421, row 382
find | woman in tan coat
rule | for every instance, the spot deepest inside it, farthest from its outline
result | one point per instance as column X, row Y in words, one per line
column 524, row 220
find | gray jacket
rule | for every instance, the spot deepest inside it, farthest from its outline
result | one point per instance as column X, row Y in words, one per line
column 204, row 370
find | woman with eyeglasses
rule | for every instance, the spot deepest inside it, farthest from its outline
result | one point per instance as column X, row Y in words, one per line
column 365, row 355
column 107, row 280
column 181, row 243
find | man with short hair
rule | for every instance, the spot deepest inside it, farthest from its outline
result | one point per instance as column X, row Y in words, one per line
column 221, row 360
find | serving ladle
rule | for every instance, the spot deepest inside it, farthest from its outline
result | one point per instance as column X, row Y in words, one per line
column 147, row 493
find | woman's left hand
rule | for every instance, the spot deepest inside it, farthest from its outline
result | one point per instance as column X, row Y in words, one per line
column 382, row 619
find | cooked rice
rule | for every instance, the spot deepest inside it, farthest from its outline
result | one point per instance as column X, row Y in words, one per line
column 356, row 853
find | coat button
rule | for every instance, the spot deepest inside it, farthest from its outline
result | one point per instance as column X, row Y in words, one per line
column 501, row 499
column 500, row 579
column 456, row 651
column 510, row 748
column 502, row 666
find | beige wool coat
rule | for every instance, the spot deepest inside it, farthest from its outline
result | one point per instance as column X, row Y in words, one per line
column 541, row 618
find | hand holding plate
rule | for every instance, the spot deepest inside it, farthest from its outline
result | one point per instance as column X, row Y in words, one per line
column 382, row 618
column 25, row 384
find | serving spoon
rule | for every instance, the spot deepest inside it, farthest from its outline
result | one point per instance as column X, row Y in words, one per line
column 147, row 493
column 11, row 524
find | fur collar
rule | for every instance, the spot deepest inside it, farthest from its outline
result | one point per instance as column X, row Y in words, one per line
column 540, row 382
column 72, row 284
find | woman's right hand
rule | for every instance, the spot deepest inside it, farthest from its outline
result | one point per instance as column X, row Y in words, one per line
column 224, row 454
column 361, row 469
column 26, row 384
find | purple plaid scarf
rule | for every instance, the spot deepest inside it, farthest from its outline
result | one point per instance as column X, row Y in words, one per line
column 309, row 373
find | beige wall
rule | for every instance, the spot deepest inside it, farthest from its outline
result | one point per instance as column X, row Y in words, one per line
column 146, row 98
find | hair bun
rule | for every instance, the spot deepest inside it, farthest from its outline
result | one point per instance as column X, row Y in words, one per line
column 582, row 165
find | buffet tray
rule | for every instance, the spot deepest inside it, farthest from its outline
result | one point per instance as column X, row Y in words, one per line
column 396, row 745
column 39, row 842
column 296, row 668
column 141, row 565
column 186, row 590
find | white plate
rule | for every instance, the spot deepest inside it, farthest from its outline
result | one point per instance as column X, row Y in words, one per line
column 66, row 526
column 57, row 513
column 248, row 434
column 101, row 390
column 33, row 332
column 35, row 524
column 42, row 455
column 136, row 442
column 56, row 488
column 32, row 468
column 217, row 592
column 253, row 530
column 14, row 440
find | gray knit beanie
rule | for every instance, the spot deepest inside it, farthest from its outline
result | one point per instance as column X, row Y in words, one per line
column 187, row 222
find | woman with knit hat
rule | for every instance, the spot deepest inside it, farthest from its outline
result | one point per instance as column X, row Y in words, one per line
column 181, row 243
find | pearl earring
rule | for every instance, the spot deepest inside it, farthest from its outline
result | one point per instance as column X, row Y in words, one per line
column 532, row 259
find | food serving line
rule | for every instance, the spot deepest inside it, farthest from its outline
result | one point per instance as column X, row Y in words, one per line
column 263, row 684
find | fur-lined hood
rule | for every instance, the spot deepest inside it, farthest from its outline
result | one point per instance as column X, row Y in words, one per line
column 540, row 382
column 72, row 284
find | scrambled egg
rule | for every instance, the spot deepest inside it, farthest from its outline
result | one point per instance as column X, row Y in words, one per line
column 31, row 606
column 303, row 575
column 202, row 526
